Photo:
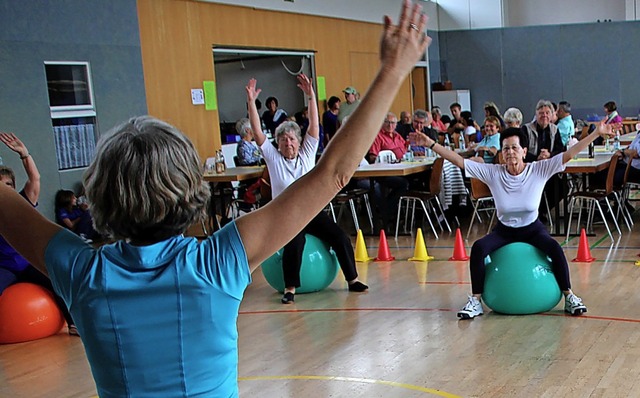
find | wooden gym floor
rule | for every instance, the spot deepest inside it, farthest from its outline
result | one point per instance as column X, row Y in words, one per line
column 402, row 338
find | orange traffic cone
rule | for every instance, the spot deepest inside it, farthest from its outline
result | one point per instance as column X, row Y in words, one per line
column 383, row 249
column 459, row 252
column 584, row 253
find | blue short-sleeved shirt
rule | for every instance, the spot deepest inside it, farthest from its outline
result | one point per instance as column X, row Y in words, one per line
column 157, row 320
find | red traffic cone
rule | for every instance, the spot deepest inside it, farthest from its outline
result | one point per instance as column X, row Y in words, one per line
column 383, row 249
column 459, row 252
column 584, row 253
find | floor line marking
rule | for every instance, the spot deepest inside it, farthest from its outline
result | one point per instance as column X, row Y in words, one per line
column 353, row 379
column 372, row 309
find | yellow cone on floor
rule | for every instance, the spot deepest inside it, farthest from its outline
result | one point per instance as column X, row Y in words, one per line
column 420, row 251
column 361, row 249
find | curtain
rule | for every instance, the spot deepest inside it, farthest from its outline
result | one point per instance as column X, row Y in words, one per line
column 75, row 145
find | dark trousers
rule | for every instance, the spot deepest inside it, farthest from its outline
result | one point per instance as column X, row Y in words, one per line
column 322, row 227
column 534, row 234
column 32, row 275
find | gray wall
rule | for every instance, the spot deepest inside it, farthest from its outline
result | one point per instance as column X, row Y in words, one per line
column 585, row 64
column 103, row 33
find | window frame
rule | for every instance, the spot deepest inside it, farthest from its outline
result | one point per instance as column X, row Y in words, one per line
column 70, row 111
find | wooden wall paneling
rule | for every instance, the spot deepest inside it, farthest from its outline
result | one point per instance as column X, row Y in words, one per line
column 177, row 37
column 419, row 86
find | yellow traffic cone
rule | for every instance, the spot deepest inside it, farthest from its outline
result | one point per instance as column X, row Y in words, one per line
column 361, row 249
column 420, row 252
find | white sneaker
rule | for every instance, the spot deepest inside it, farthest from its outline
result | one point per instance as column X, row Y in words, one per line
column 472, row 309
column 573, row 305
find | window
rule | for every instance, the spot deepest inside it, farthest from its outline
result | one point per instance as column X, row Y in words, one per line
column 73, row 113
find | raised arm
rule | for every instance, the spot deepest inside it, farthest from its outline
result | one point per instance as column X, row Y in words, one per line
column 603, row 130
column 305, row 85
column 424, row 140
column 32, row 186
column 401, row 47
column 254, row 117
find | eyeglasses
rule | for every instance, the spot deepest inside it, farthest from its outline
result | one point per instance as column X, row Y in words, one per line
column 390, row 122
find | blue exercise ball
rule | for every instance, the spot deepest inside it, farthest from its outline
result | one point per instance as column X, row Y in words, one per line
column 519, row 280
column 319, row 267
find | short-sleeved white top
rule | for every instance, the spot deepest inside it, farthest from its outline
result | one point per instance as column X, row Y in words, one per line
column 516, row 197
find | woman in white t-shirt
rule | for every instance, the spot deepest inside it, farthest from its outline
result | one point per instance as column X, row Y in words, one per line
column 294, row 158
column 517, row 188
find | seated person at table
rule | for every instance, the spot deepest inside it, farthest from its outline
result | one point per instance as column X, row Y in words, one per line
column 438, row 123
column 72, row 216
column 489, row 146
column 158, row 311
column 421, row 122
column 630, row 154
column 294, row 158
column 517, row 188
column 611, row 109
column 273, row 116
column 513, row 117
column 15, row 268
column 471, row 132
column 389, row 139
column 247, row 152
column 491, row 109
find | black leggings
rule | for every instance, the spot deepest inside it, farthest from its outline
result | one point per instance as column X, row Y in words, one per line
column 534, row 234
column 327, row 231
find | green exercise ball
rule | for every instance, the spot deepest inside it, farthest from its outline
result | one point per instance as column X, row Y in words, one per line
column 319, row 267
column 519, row 280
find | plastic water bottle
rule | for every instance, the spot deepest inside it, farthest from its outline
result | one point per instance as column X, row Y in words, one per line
column 462, row 144
column 446, row 141
column 616, row 142
column 607, row 145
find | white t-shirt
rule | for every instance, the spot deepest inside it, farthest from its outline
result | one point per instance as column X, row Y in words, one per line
column 516, row 197
column 283, row 172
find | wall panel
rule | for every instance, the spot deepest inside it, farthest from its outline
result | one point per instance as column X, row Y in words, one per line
column 177, row 38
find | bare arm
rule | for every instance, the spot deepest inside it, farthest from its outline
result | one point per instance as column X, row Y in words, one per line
column 254, row 117
column 423, row 140
column 603, row 130
column 31, row 234
column 32, row 186
column 401, row 46
column 305, row 85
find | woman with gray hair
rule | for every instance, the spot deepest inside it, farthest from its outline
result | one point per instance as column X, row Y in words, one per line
column 247, row 152
column 157, row 311
column 294, row 158
column 513, row 117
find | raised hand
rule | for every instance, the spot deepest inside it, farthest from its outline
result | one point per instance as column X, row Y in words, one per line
column 14, row 143
column 420, row 139
column 605, row 130
column 404, row 44
column 305, row 84
column 252, row 91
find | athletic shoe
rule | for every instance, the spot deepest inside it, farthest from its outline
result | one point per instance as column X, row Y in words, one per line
column 573, row 305
column 288, row 298
column 472, row 309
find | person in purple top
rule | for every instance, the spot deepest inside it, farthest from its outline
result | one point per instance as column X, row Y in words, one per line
column 13, row 267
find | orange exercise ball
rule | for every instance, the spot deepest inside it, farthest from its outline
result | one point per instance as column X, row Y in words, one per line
column 28, row 312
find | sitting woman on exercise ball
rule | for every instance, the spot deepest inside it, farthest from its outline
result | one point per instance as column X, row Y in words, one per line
column 517, row 189
column 293, row 158
column 15, row 268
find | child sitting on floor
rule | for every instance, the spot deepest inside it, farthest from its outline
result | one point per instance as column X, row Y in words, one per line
column 73, row 216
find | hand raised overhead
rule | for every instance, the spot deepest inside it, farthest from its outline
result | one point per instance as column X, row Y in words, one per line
column 305, row 84
column 404, row 44
column 252, row 91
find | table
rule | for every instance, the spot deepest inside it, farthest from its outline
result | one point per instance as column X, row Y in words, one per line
column 378, row 170
column 582, row 165
column 231, row 175
column 626, row 139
